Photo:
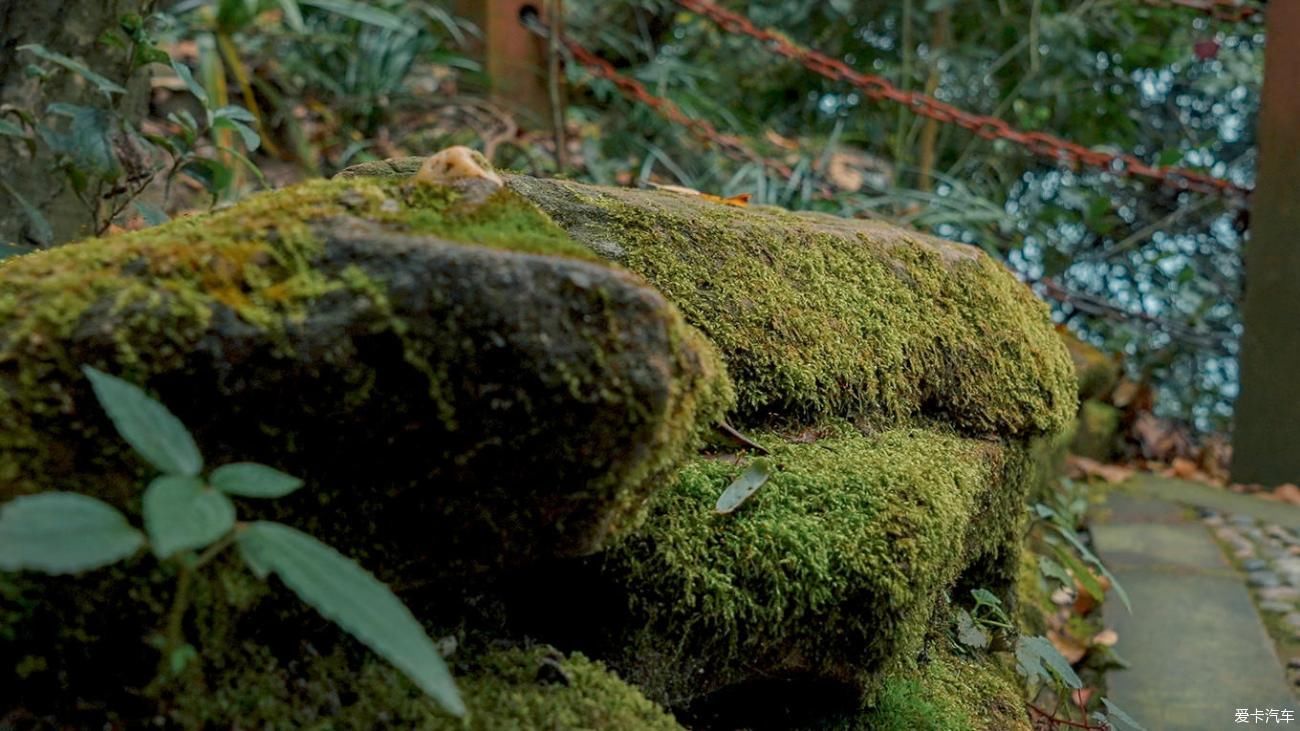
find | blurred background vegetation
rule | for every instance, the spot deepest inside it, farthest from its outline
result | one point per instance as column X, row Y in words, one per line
column 205, row 101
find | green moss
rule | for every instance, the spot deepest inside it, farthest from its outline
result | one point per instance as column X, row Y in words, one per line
column 832, row 569
column 505, row 690
column 817, row 315
column 949, row 693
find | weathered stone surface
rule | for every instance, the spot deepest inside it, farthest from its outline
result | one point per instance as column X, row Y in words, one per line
column 480, row 403
column 1096, row 371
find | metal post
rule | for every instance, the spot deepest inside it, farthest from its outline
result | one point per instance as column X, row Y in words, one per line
column 1266, row 436
column 513, row 58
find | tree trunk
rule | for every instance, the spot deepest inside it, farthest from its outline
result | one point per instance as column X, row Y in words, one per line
column 73, row 29
column 1267, row 433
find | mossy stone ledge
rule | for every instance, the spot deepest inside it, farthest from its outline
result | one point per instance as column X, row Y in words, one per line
column 820, row 316
column 458, row 381
column 831, row 574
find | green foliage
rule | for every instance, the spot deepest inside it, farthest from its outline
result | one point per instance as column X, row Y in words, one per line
column 181, row 513
column 105, row 86
column 1037, row 659
column 105, row 157
column 249, row 479
column 63, row 533
column 148, row 426
column 57, row 533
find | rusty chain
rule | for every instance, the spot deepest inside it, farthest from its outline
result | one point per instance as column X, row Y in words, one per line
column 703, row 130
column 1043, row 144
column 1229, row 11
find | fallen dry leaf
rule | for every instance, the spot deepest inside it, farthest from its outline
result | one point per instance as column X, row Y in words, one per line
column 1183, row 467
column 780, row 140
column 1071, row 649
column 1083, row 467
column 739, row 201
column 1287, row 493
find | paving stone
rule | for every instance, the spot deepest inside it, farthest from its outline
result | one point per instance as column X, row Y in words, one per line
column 1197, row 648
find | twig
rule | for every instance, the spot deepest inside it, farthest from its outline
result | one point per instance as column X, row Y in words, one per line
column 555, row 17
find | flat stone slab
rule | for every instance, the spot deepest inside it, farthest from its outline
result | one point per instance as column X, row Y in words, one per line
column 1212, row 498
column 1197, row 648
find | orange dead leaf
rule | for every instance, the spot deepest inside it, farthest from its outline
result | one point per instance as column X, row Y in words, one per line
column 1083, row 467
column 1071, row 649
column 739, row 201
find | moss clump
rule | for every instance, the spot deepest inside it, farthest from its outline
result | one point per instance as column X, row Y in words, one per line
column 505, row 690
column 947, row 693
column 831, row 570
column 818, row 315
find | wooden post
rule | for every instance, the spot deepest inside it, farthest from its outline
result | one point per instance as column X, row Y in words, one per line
column 1266, row 435
column 513, row 58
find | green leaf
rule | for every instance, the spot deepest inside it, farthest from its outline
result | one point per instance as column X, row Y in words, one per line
column 747, row 484
column 87, row 142
column 181, row 513
column 152, row 215
column 1081, row 573
column 249, row 136
column 151, row 430
column 63, row 533
column 181, row 657
column 1115, row 713
column 8, row 250
column 359, row 12
column 292, row 15
column 105, row 86
column 1053, row 570
column 214, row 176
column 351, row 597
column 969, row 633
column 38, row 225
column 9, row 129
column 986, row 597
column 1091, row 558
column 248, row 479
column 187, row 77
column 1038, row 658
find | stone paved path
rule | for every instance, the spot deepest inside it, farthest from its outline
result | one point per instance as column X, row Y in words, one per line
column 1195, row 643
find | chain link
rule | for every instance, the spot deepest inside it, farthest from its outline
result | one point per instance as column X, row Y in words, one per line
column 702, row 129
column 1060, row 150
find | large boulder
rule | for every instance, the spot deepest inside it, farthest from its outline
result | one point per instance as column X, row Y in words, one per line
column 457, row 381
column 818, row 315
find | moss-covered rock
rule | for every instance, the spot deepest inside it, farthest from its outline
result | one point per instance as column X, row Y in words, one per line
column 505, row 690
column 456, row 377
column 824, row 316
column 1096, row 371
column 946, row 693
column 1095, row 432
column 831, row 572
